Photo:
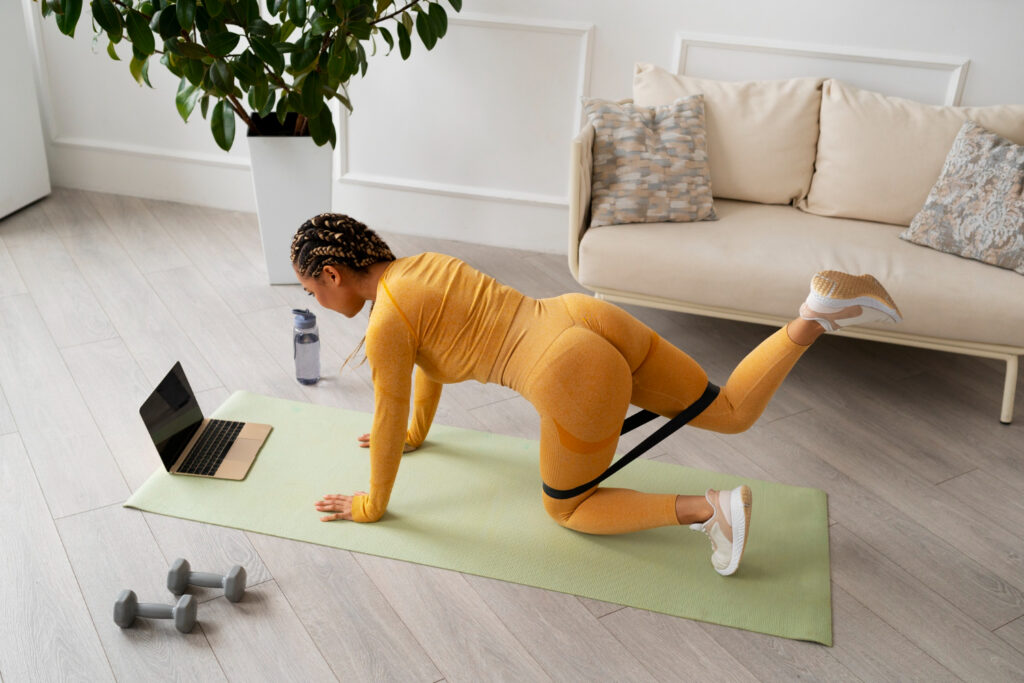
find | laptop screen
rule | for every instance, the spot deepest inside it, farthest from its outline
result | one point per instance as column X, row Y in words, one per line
column 172, row 415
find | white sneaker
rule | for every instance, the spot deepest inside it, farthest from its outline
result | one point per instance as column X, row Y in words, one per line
column 838, row 300
column 728, row 527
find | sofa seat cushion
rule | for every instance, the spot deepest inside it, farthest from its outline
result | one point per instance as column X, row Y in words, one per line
column 760, row 258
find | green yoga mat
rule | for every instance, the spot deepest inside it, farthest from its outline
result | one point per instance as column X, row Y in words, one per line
column 471, row 501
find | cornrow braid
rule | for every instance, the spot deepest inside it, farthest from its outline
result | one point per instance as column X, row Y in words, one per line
column 331, row 239
column 336, row 239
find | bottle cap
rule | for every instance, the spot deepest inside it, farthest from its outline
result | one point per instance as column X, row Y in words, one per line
column 304, row 318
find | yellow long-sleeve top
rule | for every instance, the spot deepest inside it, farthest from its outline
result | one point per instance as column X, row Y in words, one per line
column 450, row 321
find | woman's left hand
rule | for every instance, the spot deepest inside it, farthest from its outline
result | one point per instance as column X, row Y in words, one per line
column 338, row 504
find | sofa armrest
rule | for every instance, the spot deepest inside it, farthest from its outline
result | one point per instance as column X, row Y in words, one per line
column 581, row 161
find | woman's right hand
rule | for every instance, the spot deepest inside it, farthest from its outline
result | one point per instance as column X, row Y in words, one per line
column 364, row 442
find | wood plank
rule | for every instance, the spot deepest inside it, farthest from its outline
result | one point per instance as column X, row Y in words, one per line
column 46, row 633
column 141, row 236
column 67, row 304
column 208, row 548
column 7, row 423
column 54, row 419
column 1013, row 633
column 674, row 649
column 114, row 386
column 242, row 286
column 224, row 341
column 460, row 633
column 956, row 642
column 872, row 649
column 112, row 549
column 243, row 229
column 143, row 322
column 352, row 624
column 261, row 638
column 1002, row 503
column 962, row 527
column 561, row 634
column 779, row 448
column 10, row 278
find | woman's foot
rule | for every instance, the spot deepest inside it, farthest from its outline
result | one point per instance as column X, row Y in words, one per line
column 838, row 300
column 728, row 527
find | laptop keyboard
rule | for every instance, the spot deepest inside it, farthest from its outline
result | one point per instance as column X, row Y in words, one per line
column 211, row 448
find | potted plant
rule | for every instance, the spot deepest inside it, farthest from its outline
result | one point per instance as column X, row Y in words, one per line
column 275, row 64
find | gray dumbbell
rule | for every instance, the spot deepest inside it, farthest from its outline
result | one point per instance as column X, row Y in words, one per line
column 181, row 576
column 128, row 607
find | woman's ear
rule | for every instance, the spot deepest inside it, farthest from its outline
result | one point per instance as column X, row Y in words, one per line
column 332, row 274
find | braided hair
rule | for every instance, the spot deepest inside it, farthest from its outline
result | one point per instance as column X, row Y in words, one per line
column 333, row 239
column 336, row 239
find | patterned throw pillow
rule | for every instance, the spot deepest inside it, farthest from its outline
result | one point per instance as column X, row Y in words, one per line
column 650, row 163
column 976, row 209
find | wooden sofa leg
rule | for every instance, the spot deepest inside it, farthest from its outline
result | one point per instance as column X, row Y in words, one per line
column 1009, row 389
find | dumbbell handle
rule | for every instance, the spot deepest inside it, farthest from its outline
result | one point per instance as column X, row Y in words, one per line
column 206, row 579
column 153, row 610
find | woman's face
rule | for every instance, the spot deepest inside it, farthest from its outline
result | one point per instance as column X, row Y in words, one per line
column 334, row 289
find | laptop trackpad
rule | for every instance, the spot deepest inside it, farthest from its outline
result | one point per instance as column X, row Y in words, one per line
column 239, row 458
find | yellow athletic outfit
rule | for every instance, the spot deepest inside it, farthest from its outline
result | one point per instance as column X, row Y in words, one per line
column 580, row 361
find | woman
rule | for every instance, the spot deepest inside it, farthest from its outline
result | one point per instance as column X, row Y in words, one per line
column 580, row 361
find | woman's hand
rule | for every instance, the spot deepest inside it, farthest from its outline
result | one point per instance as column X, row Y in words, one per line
column 364, row 442
column 338, row 504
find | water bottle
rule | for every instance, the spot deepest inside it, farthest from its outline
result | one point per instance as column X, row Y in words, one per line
column 306, row 347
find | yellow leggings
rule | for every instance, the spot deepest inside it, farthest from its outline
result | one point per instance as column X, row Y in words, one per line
column 590, row 371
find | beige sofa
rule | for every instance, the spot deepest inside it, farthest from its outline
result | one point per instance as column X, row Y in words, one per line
column 807, row 174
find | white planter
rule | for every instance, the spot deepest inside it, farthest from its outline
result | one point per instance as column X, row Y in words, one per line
column 292, row 180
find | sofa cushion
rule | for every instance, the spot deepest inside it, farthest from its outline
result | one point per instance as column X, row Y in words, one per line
column 760, row 258
column 762, row 135
column 650, row 163
column 879, row 156
column 976, row 209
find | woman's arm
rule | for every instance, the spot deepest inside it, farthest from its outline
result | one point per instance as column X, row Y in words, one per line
column 426, row 395
column 391, row 350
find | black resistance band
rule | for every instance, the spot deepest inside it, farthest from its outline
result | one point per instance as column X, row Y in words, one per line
column 632, row 422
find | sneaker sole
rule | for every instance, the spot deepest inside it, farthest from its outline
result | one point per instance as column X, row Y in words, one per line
column 833, row 290
column 739, row 508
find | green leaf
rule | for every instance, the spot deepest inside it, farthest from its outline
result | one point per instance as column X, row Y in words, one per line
column 140, row 33
column 439, row 18
column 382, row 6
column 186, row 12
column 425, row 30
column 221, row 44
column 404, row 44
column 223, row 125
column 222, row 76
column 204, row 105
column 321, row 25
column 135, row 66
column 269, row 105
column 274, row 6
column 297, row 11
column 67, row 16
column 344, row 100
column 186, row 98
column 145, row 72
column 321, row 126
column 336, row 65
column 388, row 39
column 214, row 7
column 266, row 51
column 194, row 71
column 259, row 95
column 360, row 29
column 106, row 16
column 456, row 5
column 312, row 98
column 168, row 26
column 112, row 52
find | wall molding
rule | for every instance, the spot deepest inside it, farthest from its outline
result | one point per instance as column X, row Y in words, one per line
column 956, row 66
column 107, row 147
column 583, row 31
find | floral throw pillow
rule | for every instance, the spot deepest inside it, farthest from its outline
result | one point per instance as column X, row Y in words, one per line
column 650, row 163
column 976, row 209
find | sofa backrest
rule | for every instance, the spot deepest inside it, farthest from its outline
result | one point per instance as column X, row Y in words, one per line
column 879, row 156
column 762, row 135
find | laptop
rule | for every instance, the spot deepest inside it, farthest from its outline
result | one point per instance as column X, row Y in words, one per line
column 190, row 444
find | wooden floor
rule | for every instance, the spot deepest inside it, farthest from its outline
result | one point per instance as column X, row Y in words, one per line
column 100, row 294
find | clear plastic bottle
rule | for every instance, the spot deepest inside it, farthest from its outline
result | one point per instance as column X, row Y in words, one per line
column 306, row 347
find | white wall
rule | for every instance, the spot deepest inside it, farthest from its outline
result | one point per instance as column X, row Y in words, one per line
column 470, row 141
